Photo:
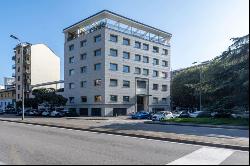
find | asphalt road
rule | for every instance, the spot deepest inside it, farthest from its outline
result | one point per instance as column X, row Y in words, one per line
column 28, row 144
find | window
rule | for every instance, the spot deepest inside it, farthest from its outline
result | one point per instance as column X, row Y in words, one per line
column 18, row 87
column 145, row 46
column 137, row 70
column 113, row 98
column 113, row 82
column 71, row 60
column 156, row 49
column 98, row 98
column 137, row 57
column 83, row 84
column 97, row 66
column 145, row 59
column 155, row 73
column 98, row 82
column 113, row 38
column 126, row 69
column 71, row 99
column 84, row 69
column 18, row 96
column 141, row 84
column 71, row 47
column 126, row 55
column 165, row 63
column 71, row 85
column 113, row 52
column 165, row 52
column 126, row 84
column 137, row 44
column 126, row 41
column 145, row 72
column 84, row 99
column 126, row 98
column 155, row 86
column 71, row 72
column 18, row 78
column 155, row 61
column 98, row 52
column 164, row 100
column 18, row 60
column 83, row 56
column 155, row 100
column 164, row 75
column 164, row 88
column 18, row 69
column 83, row 43
column 97, row 38
column 113, row 67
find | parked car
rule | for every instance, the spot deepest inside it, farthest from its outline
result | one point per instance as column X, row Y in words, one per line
column 56, row 114
column 240, row 114
column 184, row 114
column 46, row 113
column 162, row 115
column 221, row 115
column 1, row 111
column 64, row 112
column 200, row 114
column 141, row 115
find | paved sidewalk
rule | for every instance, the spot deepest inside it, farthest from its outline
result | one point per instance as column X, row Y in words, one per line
column 226, row 138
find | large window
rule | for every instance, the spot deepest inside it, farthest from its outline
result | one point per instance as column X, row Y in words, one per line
column 145, row 46
column 84, row 99
column 98, row 52
column 165, row 52
column 137, row 44
column 71, row 85
column 113, row 52
column 83, row 43
column 113, row 82
column 165, row 63
column 155, row 100
column 137, row 70
column 145, row 59
column 113, row 38
column 155, row 61
column 164, row 75
column 71, row 47
column 98, row 98
column 113, row 67
column 71, row 60
column 155, row 73
column 145, row 72
column 164, row 88
column 137, row 57
column 83, row 56
column 83, row 69
column 141, row 84
column 126, row 69
column 126, row 55
column 126, row 98
column 164, row 100
column 155, row 86
column 71, row 100
column 126, row 41
column 156, row 49
column 97, row 38
column 98, row 82
column 126, row 84
column 113, row 98
column 83, row 84
column 71, row 72
column 97, row 67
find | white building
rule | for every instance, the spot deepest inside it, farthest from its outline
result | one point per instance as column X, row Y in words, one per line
column 114, row 65
column 38, row 65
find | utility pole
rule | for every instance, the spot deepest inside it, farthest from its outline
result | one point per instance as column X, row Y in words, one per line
column 22, row 61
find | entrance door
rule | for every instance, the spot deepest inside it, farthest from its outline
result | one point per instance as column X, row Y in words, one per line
column 84, row 112
column 96, row 112
column 140, row 103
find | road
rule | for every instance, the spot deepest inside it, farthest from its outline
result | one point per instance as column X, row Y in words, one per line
column 29, row 144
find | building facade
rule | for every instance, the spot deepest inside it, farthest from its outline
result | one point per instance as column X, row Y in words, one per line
column 34, row 64
column 7, row 98
column 115, row 66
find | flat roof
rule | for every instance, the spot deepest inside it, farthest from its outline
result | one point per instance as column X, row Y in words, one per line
column 116, row 17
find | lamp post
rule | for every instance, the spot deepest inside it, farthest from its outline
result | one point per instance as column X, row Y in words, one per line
column 22, row 60
column 200, row 84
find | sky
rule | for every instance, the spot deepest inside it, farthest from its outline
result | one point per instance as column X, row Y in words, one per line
column 201, row 29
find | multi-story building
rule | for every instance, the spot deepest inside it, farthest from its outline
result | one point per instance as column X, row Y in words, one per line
column 114, row 65
column 34, row 64
column 9, row 82
column 7, row 98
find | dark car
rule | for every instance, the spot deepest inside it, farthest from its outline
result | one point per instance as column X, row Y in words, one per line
column 1, row 112
column 184, row 114
column 141, row 115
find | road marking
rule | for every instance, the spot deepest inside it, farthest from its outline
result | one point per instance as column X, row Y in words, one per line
column 204, row 156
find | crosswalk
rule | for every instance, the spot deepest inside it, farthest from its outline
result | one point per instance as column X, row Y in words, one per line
column 204, row 156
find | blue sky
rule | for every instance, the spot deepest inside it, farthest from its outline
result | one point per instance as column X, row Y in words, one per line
column 201, row 28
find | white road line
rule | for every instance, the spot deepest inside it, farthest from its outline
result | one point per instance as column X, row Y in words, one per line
column 204, row 156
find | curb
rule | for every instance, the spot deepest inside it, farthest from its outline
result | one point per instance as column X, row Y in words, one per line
column 226, row 146
column 199, row 125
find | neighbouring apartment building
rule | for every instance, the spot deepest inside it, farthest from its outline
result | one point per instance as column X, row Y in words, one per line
column 114, row 65
column 39, row 64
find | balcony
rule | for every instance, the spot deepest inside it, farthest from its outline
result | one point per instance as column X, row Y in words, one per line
column 27, row 71
column 13, row 57
column 27, row 62
column 13, row 74
column 14, row 66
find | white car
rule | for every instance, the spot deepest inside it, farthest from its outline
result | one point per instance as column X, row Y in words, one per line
column 162, row 115
column 55, row 114
column 45, row 113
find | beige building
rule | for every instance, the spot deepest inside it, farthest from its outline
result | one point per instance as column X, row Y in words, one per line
column 114, row 65
column 7, row 98
column 39, row 64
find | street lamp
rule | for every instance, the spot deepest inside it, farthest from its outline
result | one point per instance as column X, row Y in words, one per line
column 200, row 84
column 22, row 60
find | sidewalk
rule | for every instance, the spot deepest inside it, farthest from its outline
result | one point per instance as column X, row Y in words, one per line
column 224, row 138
